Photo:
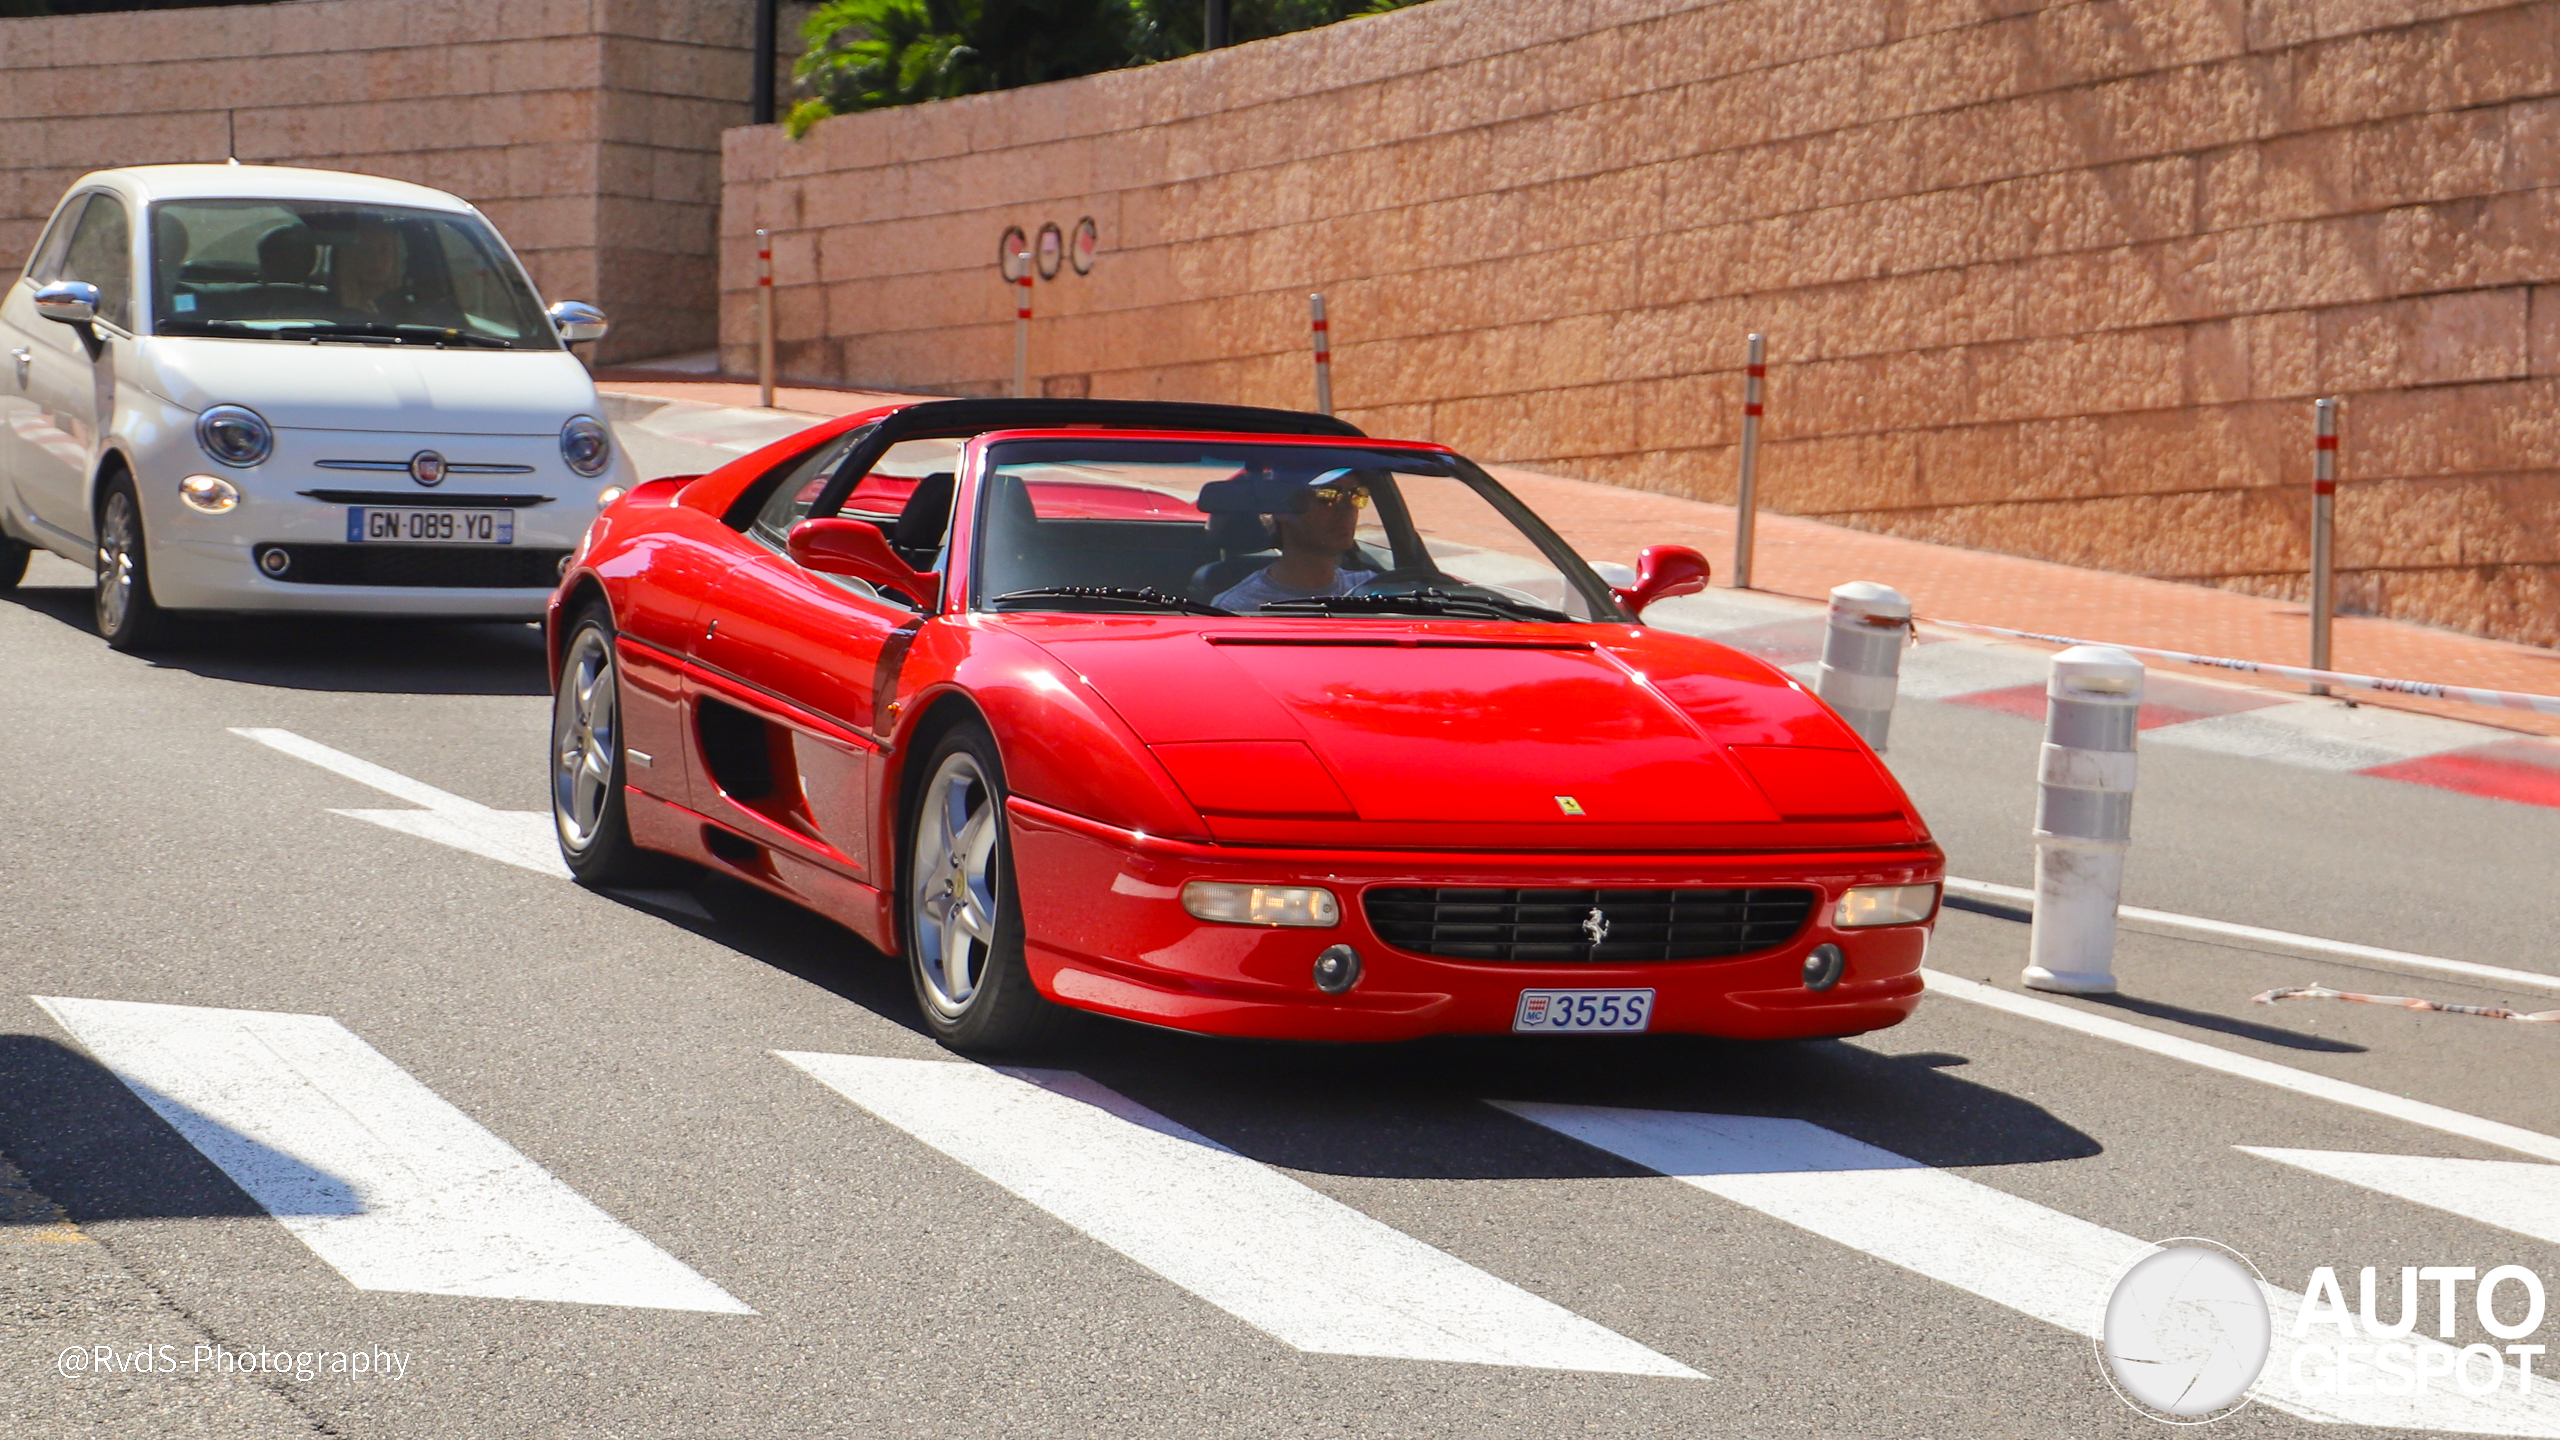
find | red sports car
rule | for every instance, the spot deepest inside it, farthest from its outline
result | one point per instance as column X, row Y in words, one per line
column 1230, row 720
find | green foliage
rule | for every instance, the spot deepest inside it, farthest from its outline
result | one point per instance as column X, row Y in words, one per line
column 872, row 54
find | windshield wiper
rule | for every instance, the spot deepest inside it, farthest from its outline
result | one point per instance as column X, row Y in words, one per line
column 374, row 332
column 1139, row 595
column 232, row 329
column 1430, row 601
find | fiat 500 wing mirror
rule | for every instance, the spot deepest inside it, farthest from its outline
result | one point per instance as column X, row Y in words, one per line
column 1662, row 572
column 836, row 546
column 72, row 302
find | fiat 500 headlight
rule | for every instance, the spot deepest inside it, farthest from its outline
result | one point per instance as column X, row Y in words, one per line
column 1260, row 904
column 235, row 435
column 1885, row 905
column 586, row 445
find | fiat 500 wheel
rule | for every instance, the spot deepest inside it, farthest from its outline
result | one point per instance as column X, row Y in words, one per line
column 127, row 616
column 587, row 765
column 962, row 918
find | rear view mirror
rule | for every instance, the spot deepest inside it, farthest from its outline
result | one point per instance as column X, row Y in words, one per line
column 72, row 302
column 856, row 548
column 1662, row 572
column 578, row 322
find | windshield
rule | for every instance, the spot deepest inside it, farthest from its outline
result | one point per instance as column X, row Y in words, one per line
column 326, row 270
column 1272, row 530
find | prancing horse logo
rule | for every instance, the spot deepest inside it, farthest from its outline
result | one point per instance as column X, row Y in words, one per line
column 1596, row 925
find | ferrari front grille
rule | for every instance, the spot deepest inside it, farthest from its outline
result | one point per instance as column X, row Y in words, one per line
column 1587, row 925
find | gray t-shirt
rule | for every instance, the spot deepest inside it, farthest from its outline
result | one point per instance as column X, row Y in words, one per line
column 1259, row 589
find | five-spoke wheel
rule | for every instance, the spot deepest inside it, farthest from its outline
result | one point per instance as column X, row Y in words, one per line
column 963, row 929
column 587, row 759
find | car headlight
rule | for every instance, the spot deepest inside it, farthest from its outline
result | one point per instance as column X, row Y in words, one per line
column 209, row 494
column 235, row 435
column 586, row 445
column 1260, row 904
column 1885, row 905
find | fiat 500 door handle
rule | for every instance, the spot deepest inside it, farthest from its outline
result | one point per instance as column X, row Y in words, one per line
column 25, row 360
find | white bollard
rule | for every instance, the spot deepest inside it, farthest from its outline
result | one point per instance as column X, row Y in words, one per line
column 1022, row 327
column 2084, row 818
column 1324, row 354
column 1746, row 504
column 1862, row 656
column 764, row 318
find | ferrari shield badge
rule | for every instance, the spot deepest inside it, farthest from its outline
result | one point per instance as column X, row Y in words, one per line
column 1568, row 805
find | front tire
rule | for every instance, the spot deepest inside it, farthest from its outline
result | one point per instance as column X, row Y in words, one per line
column 588, row 810
column 962, row 919
column 13, row 562
column 127, row 616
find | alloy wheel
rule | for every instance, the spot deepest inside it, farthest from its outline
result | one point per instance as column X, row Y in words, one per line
column 585, row 739
column 953, row 884
column 116, row 545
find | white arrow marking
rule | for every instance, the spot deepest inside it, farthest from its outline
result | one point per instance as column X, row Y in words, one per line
column 2037, row 1261
column 2509, row 1194
column 379, row 1175
column 517, row 837
column 1284, row 1258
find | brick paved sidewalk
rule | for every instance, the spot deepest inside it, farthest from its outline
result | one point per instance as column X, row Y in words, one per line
column 1806, row 558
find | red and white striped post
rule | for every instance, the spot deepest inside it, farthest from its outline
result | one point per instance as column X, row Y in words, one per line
column 1022, row 327
column 2324, row 500
column 1745, row 504
column 764, row 318
column 1324, row 355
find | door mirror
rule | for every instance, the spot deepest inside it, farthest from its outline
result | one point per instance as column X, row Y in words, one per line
column 1662, row 572
column 578, row 322
column 72, row 302
column 856, row 548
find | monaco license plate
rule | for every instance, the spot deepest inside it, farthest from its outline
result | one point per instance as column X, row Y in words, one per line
column 429, row 525
column 1556, row 1012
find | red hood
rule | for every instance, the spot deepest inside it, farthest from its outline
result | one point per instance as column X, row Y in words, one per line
column 1581, row 735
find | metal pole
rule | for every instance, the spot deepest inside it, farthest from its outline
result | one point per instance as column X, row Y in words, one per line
column 2084, row 818
column 761, row 96
column 764, row 318
column 1324, row 356
column 2324, row 500
column 1213, row 24
column 1745, row 504
column 1022, row 329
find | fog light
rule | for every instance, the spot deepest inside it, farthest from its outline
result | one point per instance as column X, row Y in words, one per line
column 609, row 494
column 1260, row 904
column 1337, row 969
column 1823, row 967
column 209, row 494
column 1885, row 905
column 275, row 560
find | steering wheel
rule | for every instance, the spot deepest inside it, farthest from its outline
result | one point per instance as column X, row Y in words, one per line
column 1405, row 581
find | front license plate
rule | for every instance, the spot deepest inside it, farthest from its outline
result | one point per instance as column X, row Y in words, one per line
column 1548, row 1012
column 424, row 525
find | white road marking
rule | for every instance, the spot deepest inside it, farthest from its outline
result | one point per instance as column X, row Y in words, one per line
column 2492, row 975
column 521, row 838
column 379, row 1175
column 2037, row 1261
column 2249, row 1067
column 2509, row 1194
column 1284, row 1258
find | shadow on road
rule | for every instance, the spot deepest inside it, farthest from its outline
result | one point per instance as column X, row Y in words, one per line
column 389, row 657
column 91, row 1146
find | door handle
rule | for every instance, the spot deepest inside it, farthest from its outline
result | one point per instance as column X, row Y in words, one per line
column 26, row 360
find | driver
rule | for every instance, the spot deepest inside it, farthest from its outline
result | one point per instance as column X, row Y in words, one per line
column 365, row 272
column 1314, row 537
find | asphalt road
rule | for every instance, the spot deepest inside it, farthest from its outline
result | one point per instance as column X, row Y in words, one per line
column 628, row 1046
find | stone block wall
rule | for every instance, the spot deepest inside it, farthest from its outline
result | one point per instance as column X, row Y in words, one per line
column 2052, row 277
column 587, row 130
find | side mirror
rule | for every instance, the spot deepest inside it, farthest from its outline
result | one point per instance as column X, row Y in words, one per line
column 1662, row 572
column 578, row 322
column 72, row 302
column 836, row 546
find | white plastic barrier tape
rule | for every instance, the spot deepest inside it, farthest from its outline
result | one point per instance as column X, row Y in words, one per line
column 2422, row 689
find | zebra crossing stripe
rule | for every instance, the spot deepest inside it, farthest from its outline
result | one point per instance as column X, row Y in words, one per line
column 2011, row 1251
column 1284, row 1258
column 2512, row 1195
column 380, row 1176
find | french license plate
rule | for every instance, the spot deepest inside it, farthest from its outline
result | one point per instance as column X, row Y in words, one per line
column 1551, row 1012
column 429, row 525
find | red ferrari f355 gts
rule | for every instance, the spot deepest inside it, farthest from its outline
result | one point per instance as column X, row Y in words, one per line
column 1229, row 720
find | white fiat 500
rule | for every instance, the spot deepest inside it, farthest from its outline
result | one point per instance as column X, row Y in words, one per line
column 250, row 388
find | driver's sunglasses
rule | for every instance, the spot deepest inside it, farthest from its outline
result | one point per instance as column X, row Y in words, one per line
column 1358, row 495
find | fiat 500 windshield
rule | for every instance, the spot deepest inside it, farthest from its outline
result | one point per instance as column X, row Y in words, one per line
column 306, row 270
column 1279, row 531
